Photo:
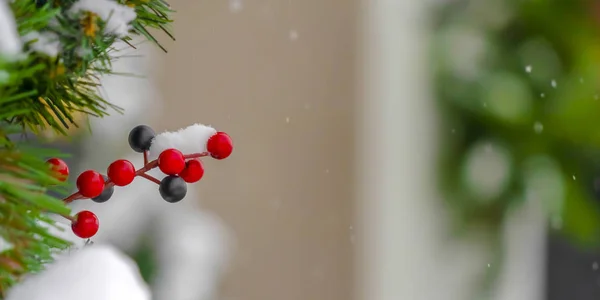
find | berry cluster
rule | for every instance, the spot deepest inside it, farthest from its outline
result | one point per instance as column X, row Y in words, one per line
column 180, row 169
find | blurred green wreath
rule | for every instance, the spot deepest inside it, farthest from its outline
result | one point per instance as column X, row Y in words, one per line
column 517, row 85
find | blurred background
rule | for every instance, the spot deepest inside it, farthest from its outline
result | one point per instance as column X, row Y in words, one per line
column 383, row 150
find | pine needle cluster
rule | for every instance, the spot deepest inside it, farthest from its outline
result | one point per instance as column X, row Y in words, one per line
column 40, row 91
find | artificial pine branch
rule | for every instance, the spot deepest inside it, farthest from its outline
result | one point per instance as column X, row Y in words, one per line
column 40, row 91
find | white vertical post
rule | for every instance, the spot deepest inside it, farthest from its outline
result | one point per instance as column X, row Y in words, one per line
column 396, row 153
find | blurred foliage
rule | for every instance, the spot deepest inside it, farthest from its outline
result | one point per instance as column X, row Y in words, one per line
column 517, row 84
column 145, row 258
column 521, row 78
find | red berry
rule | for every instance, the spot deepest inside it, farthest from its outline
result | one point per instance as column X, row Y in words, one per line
column 171, row 162
column 85, row 224
column 59, row 168
column 90, row 184
column 219, row 145
column 193, row 171
column 121, row 172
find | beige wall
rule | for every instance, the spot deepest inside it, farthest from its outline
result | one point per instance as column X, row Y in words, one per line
column 278, row 76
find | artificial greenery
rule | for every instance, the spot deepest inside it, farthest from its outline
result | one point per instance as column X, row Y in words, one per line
column 521, row 77
column 39, row 92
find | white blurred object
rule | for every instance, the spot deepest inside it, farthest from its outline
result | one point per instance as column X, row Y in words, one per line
column 192, row 245
column 10, row 43
column 118, row 17
column 46, row 42
column 93, row 273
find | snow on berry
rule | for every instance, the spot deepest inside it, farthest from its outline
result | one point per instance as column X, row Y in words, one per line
column 121, row 172
column 90, row 184
column 193, row 171
column 85, row 225
column 188, row 140
column 60, row 168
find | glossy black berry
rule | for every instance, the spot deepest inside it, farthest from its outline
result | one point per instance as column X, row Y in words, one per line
column 106, row 193
column 172, row 188
column 140, row 138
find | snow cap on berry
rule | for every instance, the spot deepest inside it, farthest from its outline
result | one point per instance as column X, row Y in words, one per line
column 188, row 140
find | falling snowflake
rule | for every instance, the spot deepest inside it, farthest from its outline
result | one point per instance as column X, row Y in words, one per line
column 293, row 35
column 538, row 127
column 235, row 5
column 553, row 83
column 528, row 69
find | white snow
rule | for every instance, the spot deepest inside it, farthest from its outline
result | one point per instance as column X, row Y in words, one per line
column 553, row 83
column 235, row 5
column 528, row 69
column 117, row 16
column 5, row 245
column 10, row 44
column 93, row 273
column 46, row 42
column 189, row 140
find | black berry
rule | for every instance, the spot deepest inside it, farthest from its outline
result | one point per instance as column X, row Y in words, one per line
column 140, row 138
column 106, row 193
column 172, row 188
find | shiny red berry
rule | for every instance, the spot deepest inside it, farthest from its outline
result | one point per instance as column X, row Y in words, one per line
column 90, row 184
column 121, row 172
column 85, row 225
column 193, row 171
column 59, row 168
column 171, row 162
column 219, row 145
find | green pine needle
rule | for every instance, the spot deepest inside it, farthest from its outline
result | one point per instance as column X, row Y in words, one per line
column 39, row 93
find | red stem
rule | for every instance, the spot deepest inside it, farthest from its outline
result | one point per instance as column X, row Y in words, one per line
column 150, row 178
